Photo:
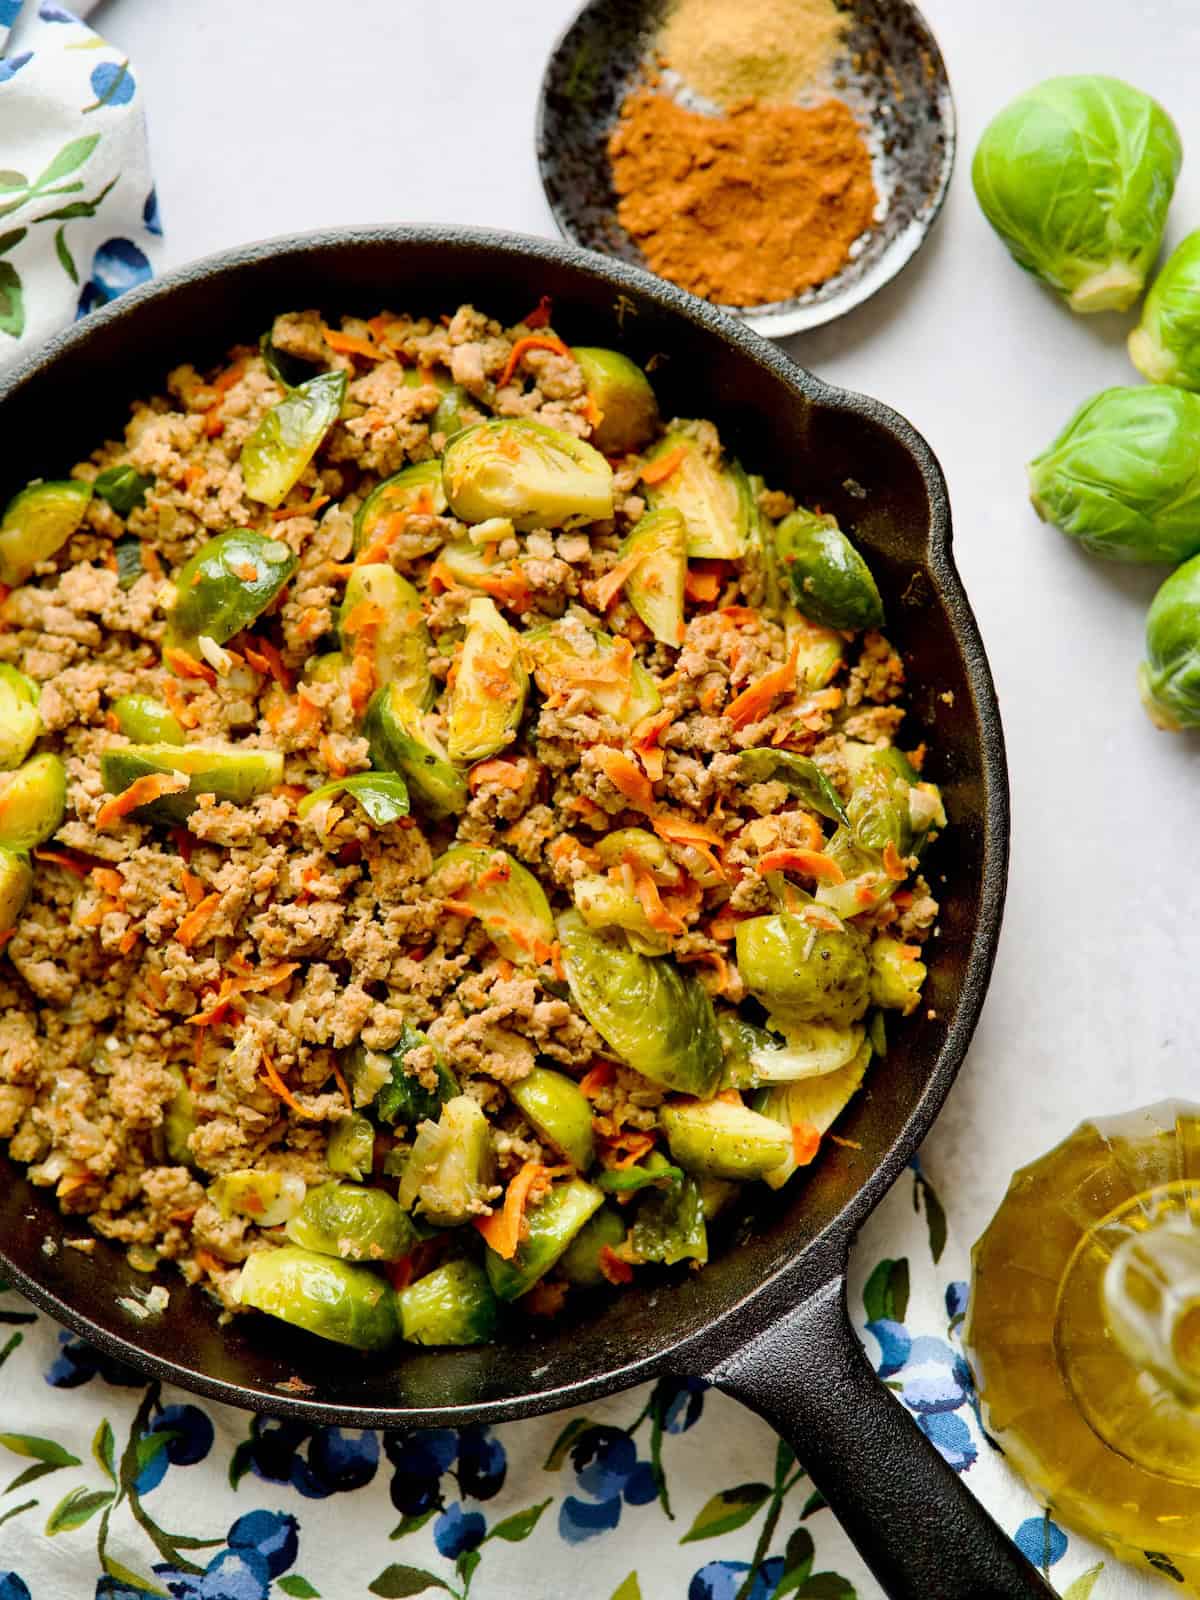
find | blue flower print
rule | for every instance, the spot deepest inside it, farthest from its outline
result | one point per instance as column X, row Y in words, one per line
column 151, row 218
column 1041, row 1541
column 680, row 1402
column 48, row 12
column 456, row 1531
column 317, row 1462
column 482, row 1464
column 722, row 1580
column 419, row 1460
column 956, row 1301
column 78, row 1362
column 952, row 1437
column 112, row 83
column 894, row 1342
column 936, row 1378
column 12, row 1587
column 190, row 1438
column 10, row 10
column 607, row 1471
column 117, row 265
column 260, row 1546
column 273, row 1534
column 581, row 1519
column 11, row 65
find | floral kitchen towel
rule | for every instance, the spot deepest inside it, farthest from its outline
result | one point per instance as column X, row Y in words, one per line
column 78, row 216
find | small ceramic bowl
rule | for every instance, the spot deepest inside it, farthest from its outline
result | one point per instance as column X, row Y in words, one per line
column 889, row 71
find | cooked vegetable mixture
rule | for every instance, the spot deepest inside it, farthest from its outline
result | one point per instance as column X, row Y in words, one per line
column 452, row 832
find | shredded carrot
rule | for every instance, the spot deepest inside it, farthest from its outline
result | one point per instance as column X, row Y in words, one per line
column 192, row 475
column 153, row 786
column 128, row 939
column 737, row 616
column 157, row 985
column 210, row 1263
column 757, row 698
column 556, row 961
column 506, row 773
column 362, row 625
column 847, row 1144
column 614, row 1267
column 592, row 413
column 330, row 757
column 701, row 586
column 389, row 531
column 108, row 879
column 458, row 908
column 60, row 858
column 535, row 341
column 539, row 317
column 226, row 380
column 678, row 830
column 349, row 344
column 340, row 1080
column 806, row 1140
column 176, row 703
column 607, row 588
column 596, row 1078
column 633, row 1144
column 496, row 871
column 94, row 917
column 502, row 1230
column 729, row 1097
column 248, row 983
column 264, row 657
column 657, row 915
column 193, row 925
column 193, row 887
column 893, row 864
column 656, row 471
column 277, row 1086
column 308, row 509
column 186, row 666
column 626, row 777
column 182, row 1217
column 724, row 926
column 717, row 961
column 214, row 422
column 811, row 863
column 511, row 587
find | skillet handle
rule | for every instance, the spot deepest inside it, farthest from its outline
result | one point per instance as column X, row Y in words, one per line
column 915, row 1523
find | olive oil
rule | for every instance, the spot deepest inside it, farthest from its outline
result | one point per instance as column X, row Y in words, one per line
column 1084, row 1332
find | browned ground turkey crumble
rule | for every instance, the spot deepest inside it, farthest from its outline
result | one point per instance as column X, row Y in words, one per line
column 98, row 995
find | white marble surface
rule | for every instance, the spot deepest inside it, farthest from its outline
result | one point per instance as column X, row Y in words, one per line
column 281, row 115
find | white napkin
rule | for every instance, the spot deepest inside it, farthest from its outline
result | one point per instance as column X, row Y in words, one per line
column 78, row 215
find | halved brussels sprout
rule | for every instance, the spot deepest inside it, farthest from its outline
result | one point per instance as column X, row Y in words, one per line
column 1076, row 176
column 1165, row 345
column 230, row 772
column 383, row 608
column 267, row 1197
column 381, row 1080
column 754, row 1056
column 416, row 487
column 579, row 1263
column 654, row 588
column 800, row 775
column 383, row 796
column 179, row 1121
column 487, row 698
column 449, row 1171
column 353, row 1223
column 402, row 740
column 20, row 722
column 670, row 1225
column 831, row 583
column 621, row 393
column 275, row 455
column 349, row 1305
column 537, row 477
column 713, row 496
column 37, row 523
column 645, row 850
column 123, row 487
column 559, row 1113
column 551, row 1227
column 16, row 885
column 1169, row 678
column 716, row 1139
column 229, row 582
column 616, row 682
column 1123, row 477
column 814, row 1102
column 351, row 1148
column 472, row 565
column 455, row 410
column 453, row 1305
column 657, row 1019
column 819, row 651
column 33, row 802
column 801, row 973
column 653, row 1170
column 897, row 973
column 606, row 903
column 879, row 812
column 145, row 720
column 504, row 895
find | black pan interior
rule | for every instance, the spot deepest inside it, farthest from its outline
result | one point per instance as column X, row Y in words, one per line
column 853, row 457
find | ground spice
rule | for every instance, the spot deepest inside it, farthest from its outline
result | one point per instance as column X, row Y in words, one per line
column 746, row 209
column 731, row 50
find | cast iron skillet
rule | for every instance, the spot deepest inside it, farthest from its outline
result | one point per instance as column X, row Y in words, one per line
column 766, row 1321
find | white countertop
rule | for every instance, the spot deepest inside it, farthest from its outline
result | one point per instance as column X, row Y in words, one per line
column 284, row 115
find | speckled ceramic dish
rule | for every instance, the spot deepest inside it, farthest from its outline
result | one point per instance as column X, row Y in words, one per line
column 890, row 72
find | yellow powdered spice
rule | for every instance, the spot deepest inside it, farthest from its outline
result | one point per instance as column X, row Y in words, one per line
column 731, row 50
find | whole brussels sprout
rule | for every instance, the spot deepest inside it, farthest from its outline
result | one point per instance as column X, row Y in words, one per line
column 538, row 477
column 1169, row 678
column 621, row 393
column 801, row 973
column 1123, row 477
column 1165, row 345
column 1076, row 176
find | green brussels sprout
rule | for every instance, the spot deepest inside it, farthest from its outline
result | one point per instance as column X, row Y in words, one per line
column 656, row 1019
column 402, row 740
column 830, row 581
column 819, row 651
column 16, row 885
column 145, row 720
column 417, row 488
column 654, row 1171
column 275, row 455
column 812, row 1102
column 605, row 903
column 1123, row 477
column 349, row 1305
column 266, row 1197
column 20, row 721
column 123, row 487
column 800, row 775
column 761, row 546
column 620, row 688
column 382, row 1081
column 456, row 410
column 1076, row 176
column 551, row 1226
column 487, row 699
column 878, row 812
column 449, row 1171
column 801, row 973
column 383, row 608
column 558, row 1112
column 714, row 496
column 537, row 477
column 230, row 772
column 620, row 391
column 383, row 796
column 645, row 850
column 1169, row 678
column 229, row 582
column 754, row 1056
column 897, row 973
column 37, row 523
column 510, row 902
column 179, row 1121
column 130, row 566
column 1165, row 345
column 351, row 1148
column 669, row 1226
column 472, row 565
column 330, row 666
column 716, row 1139
column 656, row 551
column 33, row 801
column 579, row 1263
column 453, row 1305
column 356, row 1224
